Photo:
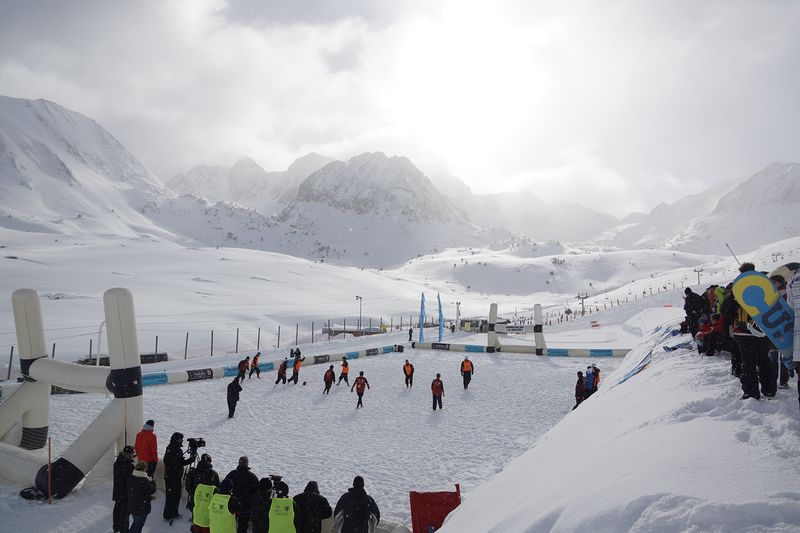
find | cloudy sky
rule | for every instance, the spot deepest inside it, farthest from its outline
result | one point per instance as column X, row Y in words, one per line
column 616, row 105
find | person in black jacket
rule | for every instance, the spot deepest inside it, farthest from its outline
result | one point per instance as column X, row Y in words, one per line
column 245, row 484
column 234, row 388
column 259, row 506
column 173, row 475
column 140, row 491
column 195, row 475
column 314, row 508
column 694, row 306
column 123, row 468
column 354, row 508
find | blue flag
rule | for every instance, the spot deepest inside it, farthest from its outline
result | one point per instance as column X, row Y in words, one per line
column 441, row 318
column 422, row 318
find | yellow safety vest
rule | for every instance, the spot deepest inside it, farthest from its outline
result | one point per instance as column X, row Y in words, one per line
column 202, row 497
column 281, row 516
column 221, row 520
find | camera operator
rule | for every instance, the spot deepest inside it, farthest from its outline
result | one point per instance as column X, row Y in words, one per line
column 195, row 474
column 173, row 474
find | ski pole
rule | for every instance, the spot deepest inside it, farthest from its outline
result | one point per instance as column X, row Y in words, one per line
column 733, row 254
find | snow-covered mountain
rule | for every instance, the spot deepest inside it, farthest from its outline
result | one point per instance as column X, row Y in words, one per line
column 381, row 210
column 247, row 183
column 762, row 209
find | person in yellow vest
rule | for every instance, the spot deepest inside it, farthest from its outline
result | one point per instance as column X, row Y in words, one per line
column 222, row 509
column 201, row 498
column 284, row 514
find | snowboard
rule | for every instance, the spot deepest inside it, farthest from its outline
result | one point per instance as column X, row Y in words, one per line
column 761, row 300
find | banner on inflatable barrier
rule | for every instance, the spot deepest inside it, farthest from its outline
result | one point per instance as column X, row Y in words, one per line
column 321, row 359
column 371, row 351
column 474, row 348
column 352, row 355
column 389, row 349
column 557, row 352
column 200, row 373
column 229, row 371
column 601, row 353
column 515, row 329
column 159, row 378
column 440, row 346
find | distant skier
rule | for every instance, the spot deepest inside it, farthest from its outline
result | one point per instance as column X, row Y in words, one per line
column 437, row 388
column 580, row 390
column 467, row 369
column 254, row 366
column 408, row 371
column 344, row 371
column 234, row 388
column 410, row 333
column 360, row 384
column 282, row 371
column 298, row 362
column 328, row 378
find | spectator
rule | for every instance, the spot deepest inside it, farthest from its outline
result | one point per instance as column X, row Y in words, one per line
column 173, row 476
column 754, row 349
column 140, row 491
column 260, row 504
column 123, row 468
column 194, row 477
column 729, row 310
column 146, row 446
column 709, row 336
column 410, row 333
column 244, row 366
column 356, row 509
column 245, row 484
column 201, row 498
column 284, row 513
column 580, row 390
column 234, row 388
column 222, row 509
column 437, row 389
column 783, row 373
column 596, row 378
column 314, row 508
column 694, row 306
column 588, row 382
column 793, row 299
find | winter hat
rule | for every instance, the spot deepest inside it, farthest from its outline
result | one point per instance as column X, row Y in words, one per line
column 312, row 487
column 226, row 486
column 265, row 484
column 281, row 489
column 205, row 458
column 580, row 373
column 358, row 482
column 176, row 437
column 438, row 375
column 129, row 450
column 687, row 291
column 244, row 461
column 149, row 425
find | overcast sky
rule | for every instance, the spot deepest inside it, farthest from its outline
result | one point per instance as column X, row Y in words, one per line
column 616, row 105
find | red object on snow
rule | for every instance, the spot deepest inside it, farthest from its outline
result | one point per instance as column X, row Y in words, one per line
column 429, row 509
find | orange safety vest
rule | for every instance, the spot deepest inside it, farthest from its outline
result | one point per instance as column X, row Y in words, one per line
column 345, row 368
column 466, row 366
column 297, row 363
column 408, row 369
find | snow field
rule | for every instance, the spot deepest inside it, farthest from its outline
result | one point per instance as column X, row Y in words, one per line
column 396, row 441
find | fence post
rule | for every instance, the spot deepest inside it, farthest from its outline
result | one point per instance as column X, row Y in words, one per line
column 312, row 332
column 156, row 344
column 212, row 343
column 186, row 346
column 391, row 323
column 53, row 356
column 329, row 329
column 344, row 328
column 90, row 351
column 258, row 340
column 237, row 341
column 10, row 358
column 296, row 332
column 279, row 335
column 401, row 322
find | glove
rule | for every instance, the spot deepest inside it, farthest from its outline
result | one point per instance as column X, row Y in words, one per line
column 787, row 361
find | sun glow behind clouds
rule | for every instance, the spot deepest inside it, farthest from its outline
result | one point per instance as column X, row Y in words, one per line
column 463, row 84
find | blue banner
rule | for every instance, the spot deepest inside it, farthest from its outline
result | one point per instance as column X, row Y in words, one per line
column 441, row 318
column 422, row 318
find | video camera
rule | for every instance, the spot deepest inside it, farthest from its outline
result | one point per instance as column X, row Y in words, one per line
column 196, row 443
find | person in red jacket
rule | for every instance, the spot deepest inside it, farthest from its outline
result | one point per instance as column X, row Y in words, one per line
column 146, row 446
column 360, row 384
column 254, row 367
column 709, row 334
column 437, row 388
column 282, row 371
column 328, row 378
